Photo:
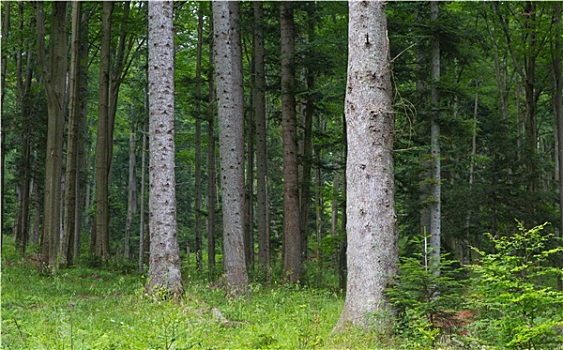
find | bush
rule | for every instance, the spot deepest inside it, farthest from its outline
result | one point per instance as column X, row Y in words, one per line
column 515, row 309
column 427, row 302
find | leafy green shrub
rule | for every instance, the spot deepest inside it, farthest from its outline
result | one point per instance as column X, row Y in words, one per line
column 425, row 301
column 515, row 309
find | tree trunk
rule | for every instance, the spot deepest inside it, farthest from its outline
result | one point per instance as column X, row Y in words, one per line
column 372, row 235
column 132, row 191
column 292, row 239
column 54, row 74
column 101, row 233
column 259, row 102
column 164, row 261
column 558, row 111
column 211, row 173
column 230, row 101
column 142, row 247
column 436, row 185
column 198, row 118
column 72, row 143
column 82, row 188
column 5, row 32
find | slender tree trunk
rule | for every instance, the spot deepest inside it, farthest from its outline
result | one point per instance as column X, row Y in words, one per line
column 211, row 173
column 259, row 102
column 101, row 235
column 142, row 248
column 5, row 32
column 342, row 263
column 291, row 229
column 164, row 261
column 371, row 225
column 334, row 204
column 230, row 99
column 249, row 194
column 54, row 74
column 436, row 186
column 72, row 143
column 82, row 188
column 198, row 117
column 37, row 214
column 558, row 111
column 132, row 191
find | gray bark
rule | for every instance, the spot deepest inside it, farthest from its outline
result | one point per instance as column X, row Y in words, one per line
column 436, row 186
column 164, row 261
column 228, row 77
column 371, row 224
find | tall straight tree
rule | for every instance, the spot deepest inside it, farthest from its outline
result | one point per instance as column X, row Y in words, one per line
column 372, row 235
column 54, row 75
column 211, row 173
column 291, row 228
column 436, row 185
column 558, row 111
column 72, row 143
column 230, row 102
column 259, row 103
column 164, row 261
column 101, row 232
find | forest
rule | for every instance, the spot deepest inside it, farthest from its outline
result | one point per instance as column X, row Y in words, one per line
column 281, row 174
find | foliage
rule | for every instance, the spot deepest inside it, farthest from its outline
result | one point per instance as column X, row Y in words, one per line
column 516, row 307
column 426, row 302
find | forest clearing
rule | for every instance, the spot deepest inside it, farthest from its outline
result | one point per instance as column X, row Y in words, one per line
column 292, row 174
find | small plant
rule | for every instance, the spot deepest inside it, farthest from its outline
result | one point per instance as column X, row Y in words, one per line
column 515, row 309
column 427, row 302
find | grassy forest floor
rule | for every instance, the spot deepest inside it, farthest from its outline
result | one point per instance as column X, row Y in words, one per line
column 85, row 308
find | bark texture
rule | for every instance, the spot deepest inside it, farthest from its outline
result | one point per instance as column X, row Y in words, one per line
column 291, row 227
column 101, row 233
column 259, row 100
column 372, row 238
column 436, row 185
column 228, row 77
column 164, row 261
column 54, row 74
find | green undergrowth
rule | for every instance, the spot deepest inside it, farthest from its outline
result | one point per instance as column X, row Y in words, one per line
column 84, row 308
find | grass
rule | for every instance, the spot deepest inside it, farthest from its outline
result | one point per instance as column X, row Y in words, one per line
column 84, row 308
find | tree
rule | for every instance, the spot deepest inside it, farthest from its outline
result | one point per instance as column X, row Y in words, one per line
column 164, row 262
column 228, row 78
column 292, row 239
column 372, row 237
column 101, row 235
column 435, row 207
column 72, row 143
column 259, row 103
column 54, row 74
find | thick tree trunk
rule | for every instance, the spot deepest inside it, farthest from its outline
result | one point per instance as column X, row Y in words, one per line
column 436, row 185
column 259, row 101
column 72, row 143
column 291, row 228
column 230, row 101
column 372, row 235
column 54, row 74
column 101, row 233
column 164, row 261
